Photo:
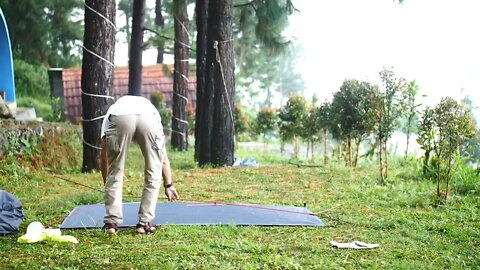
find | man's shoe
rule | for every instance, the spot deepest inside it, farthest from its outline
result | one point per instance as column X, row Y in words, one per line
column 146, row 228
column 110, row 228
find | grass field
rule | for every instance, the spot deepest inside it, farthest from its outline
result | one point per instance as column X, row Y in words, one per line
column 400, row 216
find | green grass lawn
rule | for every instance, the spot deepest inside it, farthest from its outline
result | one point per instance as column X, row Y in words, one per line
column 400, row 216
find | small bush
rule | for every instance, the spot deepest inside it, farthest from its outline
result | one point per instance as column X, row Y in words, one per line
column 158, row 101
column 42, row 107
column 31, row 80
column 466, row 181
column 37, row 145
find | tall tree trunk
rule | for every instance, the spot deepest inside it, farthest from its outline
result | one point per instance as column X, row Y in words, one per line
column 220, row 38
column 313, row 153
column 159, row 22
column 136, row 49
column 408, row 140
column 308, row 149
column 448, row 176
column 160, row 52
column 203, row 114
column 201, row 11
column 385, row 151
column 97, row 75
column 128, row 33
column 296, row 146
column 339, row 152
column 380, row 145
column 357, row 150
column 325, row 158
column 380, row 157
column 438, row 177
column 349, row 151
column 180, row 78
column 425, row 162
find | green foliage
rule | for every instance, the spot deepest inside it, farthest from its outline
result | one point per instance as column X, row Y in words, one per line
column 241, row 120
column 455, row 127
column 426, row 135
column 311, row 131
column 411, row 106
column 465, row 179
column 266, row 121
column 291, row 117
column 157, row 100
column 269, row 19
column 411, row 110
column 46, row 109
column 472, row 148
column 353, row 110
column 42, row 108
column 324, row 115
column 31, row 80
column 390, row 106
column 353, row 114
column 391, row 103
column 264, row 60
column 443, row 131
column 48, row 35
column 38, row 146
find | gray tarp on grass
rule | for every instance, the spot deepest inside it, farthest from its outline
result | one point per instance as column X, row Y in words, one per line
column 91, row 216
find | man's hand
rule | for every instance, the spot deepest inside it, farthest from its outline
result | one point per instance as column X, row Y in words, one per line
column 171, row 193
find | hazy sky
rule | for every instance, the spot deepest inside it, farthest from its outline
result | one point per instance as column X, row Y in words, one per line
column 434, row 42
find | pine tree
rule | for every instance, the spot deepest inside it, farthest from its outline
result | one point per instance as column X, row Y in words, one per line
column 97, row 75
column 180, row 78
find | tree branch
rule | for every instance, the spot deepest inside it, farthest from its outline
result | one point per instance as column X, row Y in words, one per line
column 158, row 34
column 246, row 4
column 165, row 37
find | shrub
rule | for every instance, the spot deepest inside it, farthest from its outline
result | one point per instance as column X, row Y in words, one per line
column 38, row 145
column 31, row 80
column 158, row 101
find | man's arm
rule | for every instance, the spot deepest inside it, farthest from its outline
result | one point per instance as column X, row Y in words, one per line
column 166, row 170
column 170, row 190
column 103, row 159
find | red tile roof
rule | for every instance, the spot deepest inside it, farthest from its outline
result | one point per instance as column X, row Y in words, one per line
column 157, row 78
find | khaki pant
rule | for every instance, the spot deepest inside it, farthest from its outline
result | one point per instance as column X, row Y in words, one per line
column 147, row 130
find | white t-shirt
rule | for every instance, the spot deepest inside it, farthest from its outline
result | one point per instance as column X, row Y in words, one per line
column 128, row 105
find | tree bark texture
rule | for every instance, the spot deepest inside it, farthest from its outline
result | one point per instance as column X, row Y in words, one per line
column 217, row 138
column 180, row 78
column 201, row 12
column 97, row 76
column 223, row 132
column 136, row 49
column 205, row 155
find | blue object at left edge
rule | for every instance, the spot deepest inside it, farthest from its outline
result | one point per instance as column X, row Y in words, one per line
column 7, row 81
